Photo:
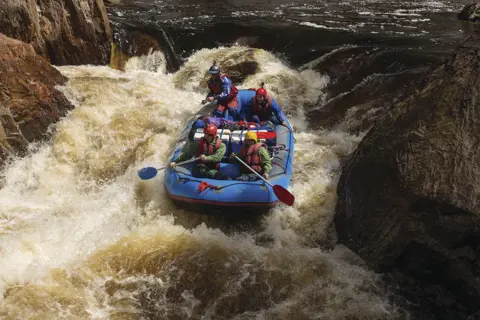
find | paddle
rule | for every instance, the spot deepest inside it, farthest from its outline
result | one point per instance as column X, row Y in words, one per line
column 282, row 194
column 150, row 172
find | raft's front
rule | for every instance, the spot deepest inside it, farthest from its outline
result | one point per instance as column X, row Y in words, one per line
column 224, row 193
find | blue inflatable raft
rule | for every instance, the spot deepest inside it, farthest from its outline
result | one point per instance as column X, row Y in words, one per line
column 185, row 189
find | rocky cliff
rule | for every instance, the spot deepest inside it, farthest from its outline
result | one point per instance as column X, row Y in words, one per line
column 63, row 31
column 409, row 196
column 51, row 31
column 29, row 102
column 364, row 83
column 470, row 12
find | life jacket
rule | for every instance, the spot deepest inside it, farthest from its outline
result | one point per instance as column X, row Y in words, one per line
column 252, row 157
column 262, row 112
column 208, row 149
column 216, row 87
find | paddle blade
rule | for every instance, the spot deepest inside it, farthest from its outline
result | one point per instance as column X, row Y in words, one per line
column 147, row 173
column 284, row 195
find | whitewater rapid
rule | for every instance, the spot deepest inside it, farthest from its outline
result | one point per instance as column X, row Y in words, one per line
column 82, row 237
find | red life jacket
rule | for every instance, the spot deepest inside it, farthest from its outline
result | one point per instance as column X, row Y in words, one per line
column 207, row 149
column 216, row 87
column 262, row 112
column 252, row 157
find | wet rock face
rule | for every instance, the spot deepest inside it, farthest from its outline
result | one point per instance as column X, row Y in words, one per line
column 131, row 44
column 29, row 102
column 134, row 42
column 409, row 195
column 364, row 83
column 357, row 110
column 64, row 31
column 470, row 12
column 349, row 66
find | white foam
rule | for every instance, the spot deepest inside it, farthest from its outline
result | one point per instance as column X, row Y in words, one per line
column 77, row 205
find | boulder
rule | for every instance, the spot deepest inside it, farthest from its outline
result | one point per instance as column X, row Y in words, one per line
column 365, row 82
column 29, row 102
column 357, row 110
column 408, row 197
column 63, row 31
column 135, row 43
column 470, row 12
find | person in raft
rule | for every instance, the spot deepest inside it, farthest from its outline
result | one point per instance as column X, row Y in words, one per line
column 263, row 108
column 222, row 89
column 255, row 154
column 210, row 149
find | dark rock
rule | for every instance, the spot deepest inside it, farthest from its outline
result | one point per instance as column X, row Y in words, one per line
column 29, row 102
column 358, row 109
column 131, row 44
column 64, row 31
column 347, row 67
column 364, row 83
column 470, row 12
column 133, row 41
column 408, row 196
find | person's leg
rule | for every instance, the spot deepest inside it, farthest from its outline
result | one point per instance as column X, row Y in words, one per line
column 255, row 119
column 220, row 176
column 219, row 112
column 243, row 177
column 233, row 104
column 247, row 177
column 233, row 111
column 273, row 119
column 200, row 171
column 268, row 125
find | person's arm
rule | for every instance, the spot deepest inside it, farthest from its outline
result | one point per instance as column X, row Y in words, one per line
column 233, row 154
column 217, row 157
column 277, row 111
column 265, row 160
column 210, row 92
column 246, row 112
column 226, row 88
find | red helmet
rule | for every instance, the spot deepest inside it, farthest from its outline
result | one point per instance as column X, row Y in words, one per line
column 261, row 92
column 210, row 129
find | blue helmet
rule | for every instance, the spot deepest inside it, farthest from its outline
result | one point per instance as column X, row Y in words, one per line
column 214, row 69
